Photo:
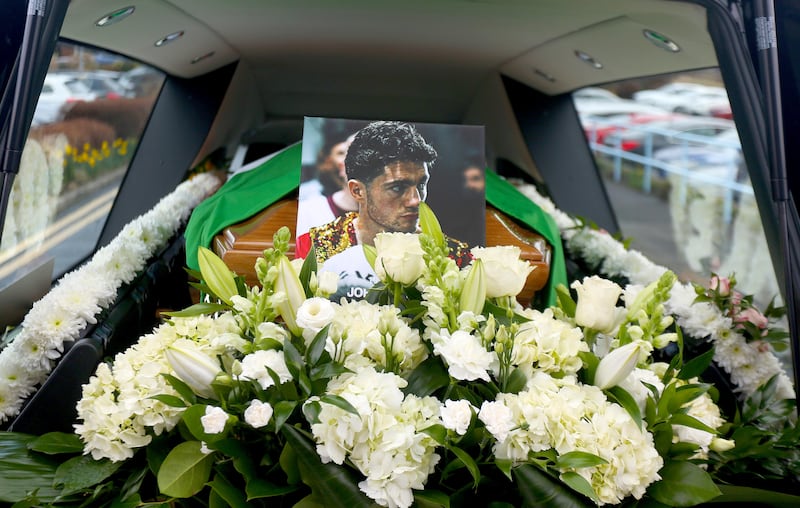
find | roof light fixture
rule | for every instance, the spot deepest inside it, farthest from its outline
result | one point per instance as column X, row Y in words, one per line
column 169, row 38
column 115, row 16
column 589, row 59
column 202, row 57
column 662, row 41
column 544, row 75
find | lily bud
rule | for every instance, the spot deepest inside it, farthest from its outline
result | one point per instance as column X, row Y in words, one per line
column 473, row 295
column 193, row 366
column 721, row 445
column 617, row 365
column 217, row 275
column 288, row 282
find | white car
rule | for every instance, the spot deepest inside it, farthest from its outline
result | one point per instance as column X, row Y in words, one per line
column 721, row 154
column 688, row 98
column 57, row 91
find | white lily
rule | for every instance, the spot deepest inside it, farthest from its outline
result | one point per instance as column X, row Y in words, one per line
column 617, row 365
column 288, row 282
column 193, row 366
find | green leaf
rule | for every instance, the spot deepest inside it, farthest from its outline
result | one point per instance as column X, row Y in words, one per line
column 259, row 488
column 756, row 497
column 216, row 274
column 437, row 432
column 565, row 301
column 288, row 462
column 79, row 473
column 575, row 460
column 538, row 489
column 282, row 411
column 231, row 495
column 182, row 388
column 683, row 484
column 516, row 381
column 22, row 472
column 339, row 402
column 696, row 366
column 430, row 498
column 504, row 465
column 469, row 462
column 198, row 309
column 169, row 400
column 317, row 346
column 579, row 484
column 293, row 358
column 57, row 442
column 326, row 371
column 690, row 421
column 185, row 470
column 334, row 484
column 428, row 377
column 309, row 267
column 628, row 403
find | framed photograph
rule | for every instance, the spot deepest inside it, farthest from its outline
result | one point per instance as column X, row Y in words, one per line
column 361, row 178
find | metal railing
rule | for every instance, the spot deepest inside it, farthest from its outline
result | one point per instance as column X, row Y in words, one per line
column 684, row 172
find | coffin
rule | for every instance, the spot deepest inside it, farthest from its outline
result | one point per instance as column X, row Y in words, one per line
column 241, row 244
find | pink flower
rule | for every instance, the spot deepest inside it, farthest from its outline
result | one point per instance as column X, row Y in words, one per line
column 752, row 315
column 721, row 285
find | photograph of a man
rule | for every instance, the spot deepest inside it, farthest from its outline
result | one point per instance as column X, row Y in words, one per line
column 388, row 169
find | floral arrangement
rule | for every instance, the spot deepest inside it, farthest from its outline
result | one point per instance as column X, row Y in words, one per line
column 80, row 296
column 745, row 357
column 33, row 195
column 438, row 390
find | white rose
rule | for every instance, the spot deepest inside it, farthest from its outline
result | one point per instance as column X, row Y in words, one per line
column 214, row 420
column 314, row 315
column 327, row 282
column 597, row 303
column 506, row 273
column 456, row 415
column 400, row 257
column 258, row 413
column 498, row 419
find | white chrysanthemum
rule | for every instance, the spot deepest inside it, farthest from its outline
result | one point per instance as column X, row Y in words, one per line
column 466, row 357
column 457, row 415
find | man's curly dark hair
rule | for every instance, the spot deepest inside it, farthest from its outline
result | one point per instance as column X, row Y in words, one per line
column 381, row 143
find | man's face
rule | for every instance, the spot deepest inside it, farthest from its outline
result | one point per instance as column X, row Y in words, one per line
column 332, row 166
column 391, row 200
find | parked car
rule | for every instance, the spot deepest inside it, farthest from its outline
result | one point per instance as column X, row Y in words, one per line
column 721, row 153
column 600, row 116
column 615, row 384
column 59, row 91
column 688, row 98
column 105, row 85
column 677, row 130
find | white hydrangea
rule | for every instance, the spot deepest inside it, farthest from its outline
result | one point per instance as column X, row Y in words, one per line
column 384, row 440
column 548, row 344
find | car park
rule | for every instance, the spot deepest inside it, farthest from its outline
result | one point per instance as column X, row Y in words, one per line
column 687, row 98
column 676, row 130
column 58, row 91
column 219, row 94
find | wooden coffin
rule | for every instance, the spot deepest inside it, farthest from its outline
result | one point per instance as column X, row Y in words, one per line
column 241, row 244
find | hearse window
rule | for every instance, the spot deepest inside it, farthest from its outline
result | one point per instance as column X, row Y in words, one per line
column 86, row 126
column 672, row 164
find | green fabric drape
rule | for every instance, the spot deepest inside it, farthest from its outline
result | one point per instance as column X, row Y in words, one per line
column 247, row 193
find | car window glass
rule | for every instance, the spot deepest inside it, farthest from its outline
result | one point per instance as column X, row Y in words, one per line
column 76, row 155
column 682, row 194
